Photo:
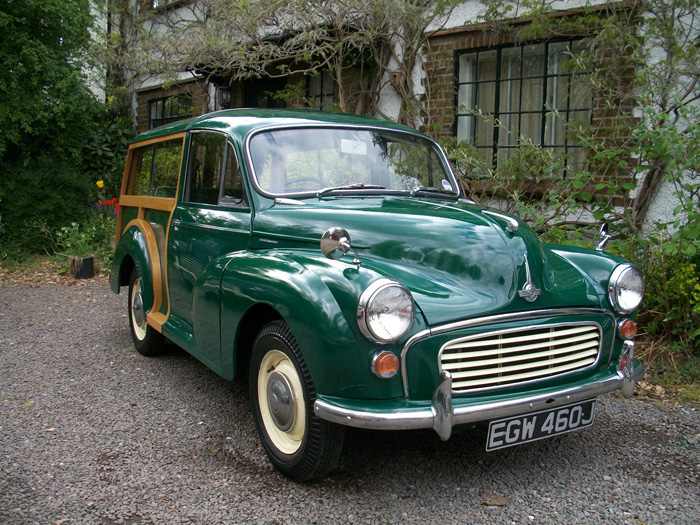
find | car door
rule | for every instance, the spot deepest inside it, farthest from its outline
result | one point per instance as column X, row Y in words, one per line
column 212, row 219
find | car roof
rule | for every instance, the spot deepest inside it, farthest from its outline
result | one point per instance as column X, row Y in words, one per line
column 240, row 122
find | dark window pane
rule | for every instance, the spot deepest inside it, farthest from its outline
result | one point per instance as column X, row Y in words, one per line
column 486, row 97
column 205, row 168
column 510, row 96
column 167, row 110
column 532, row 94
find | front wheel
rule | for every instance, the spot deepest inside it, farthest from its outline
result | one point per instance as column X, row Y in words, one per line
column 299, row 444
column 146, row 339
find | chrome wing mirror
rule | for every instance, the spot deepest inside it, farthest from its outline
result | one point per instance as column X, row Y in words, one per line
column 335, row 243
column 604, row 237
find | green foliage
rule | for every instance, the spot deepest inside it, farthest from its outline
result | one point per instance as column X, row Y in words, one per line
column 2, row 226
column 672, row 300
column 104, row 152
column 45, row 190
column 45, row 104
column 528, row 182
column 90, row 237
column 56, row 140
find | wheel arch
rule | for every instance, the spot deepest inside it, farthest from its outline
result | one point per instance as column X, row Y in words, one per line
column 252, row 322
column 132, row 251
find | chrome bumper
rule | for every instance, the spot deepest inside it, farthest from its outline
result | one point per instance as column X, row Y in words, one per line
column 442, row 416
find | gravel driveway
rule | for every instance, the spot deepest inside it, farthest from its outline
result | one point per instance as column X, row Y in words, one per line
column 92, row 433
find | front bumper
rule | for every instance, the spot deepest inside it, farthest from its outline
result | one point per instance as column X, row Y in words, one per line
column 442, row 415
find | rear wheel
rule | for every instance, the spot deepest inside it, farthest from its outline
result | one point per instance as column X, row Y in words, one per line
column 298, row 443
column 147, row 340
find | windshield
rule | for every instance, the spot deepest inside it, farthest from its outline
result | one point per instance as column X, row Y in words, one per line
column 310, row 160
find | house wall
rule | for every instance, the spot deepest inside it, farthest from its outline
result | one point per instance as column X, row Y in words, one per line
column 462, row 32
column 195, row 89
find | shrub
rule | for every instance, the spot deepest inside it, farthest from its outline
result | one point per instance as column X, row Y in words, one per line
column 46, row 191
column 670, row 312
column 90, row 237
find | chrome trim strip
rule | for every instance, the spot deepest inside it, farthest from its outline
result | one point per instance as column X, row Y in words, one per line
column 210, row 227
column 438, row 417
column 512, row 225
column 491, row 319
column 291, row 202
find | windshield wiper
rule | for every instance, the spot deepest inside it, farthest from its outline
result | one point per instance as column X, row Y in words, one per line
column 357, row 186
column 434, row 192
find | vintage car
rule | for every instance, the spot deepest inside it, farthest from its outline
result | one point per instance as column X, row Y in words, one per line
column 334, row 262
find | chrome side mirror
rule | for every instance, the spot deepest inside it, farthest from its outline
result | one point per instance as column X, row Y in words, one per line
column 604, row 237
column 335, row 243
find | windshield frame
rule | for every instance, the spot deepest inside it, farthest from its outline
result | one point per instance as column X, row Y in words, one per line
column 345, row 191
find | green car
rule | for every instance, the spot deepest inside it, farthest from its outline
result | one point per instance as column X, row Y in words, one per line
column 334, row 262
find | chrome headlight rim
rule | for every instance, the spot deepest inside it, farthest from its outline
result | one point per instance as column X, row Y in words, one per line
column 620, row 273
column 365, row 301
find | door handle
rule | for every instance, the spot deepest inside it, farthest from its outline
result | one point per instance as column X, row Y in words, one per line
column 176, row 224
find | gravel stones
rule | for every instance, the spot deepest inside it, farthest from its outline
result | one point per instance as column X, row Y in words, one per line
column 91, row 432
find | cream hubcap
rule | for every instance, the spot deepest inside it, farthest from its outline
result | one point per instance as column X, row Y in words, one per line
column 138, row 316
column 281, row 402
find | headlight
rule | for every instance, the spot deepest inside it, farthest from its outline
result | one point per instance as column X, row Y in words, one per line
column 385, row 311
column 626, row 288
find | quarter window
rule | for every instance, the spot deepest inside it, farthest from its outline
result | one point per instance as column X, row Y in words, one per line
column 529, row 91
column 234, row 193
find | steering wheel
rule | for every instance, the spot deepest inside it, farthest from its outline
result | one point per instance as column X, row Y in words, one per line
column 287, row 183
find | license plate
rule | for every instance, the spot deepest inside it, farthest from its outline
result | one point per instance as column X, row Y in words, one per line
column 515, row 430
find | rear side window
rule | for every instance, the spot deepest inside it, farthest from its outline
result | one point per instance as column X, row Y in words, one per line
column 156, row 169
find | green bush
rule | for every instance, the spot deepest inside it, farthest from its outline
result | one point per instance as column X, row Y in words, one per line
column 44, row 191
column 92, row 236
column 670, row 312
column 105, row 151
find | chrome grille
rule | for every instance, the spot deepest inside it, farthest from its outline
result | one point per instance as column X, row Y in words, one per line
column 516, row 356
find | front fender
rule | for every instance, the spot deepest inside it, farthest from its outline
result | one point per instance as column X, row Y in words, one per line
column 317, row 298
column 596, row 267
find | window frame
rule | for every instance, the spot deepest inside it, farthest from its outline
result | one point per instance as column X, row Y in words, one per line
column 543, row 113
column 325, row 80
column 229, row 148
column 163, row 120
column 151, row 147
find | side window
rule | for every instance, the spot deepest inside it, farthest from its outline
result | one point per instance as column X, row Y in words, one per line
column 143, row 159
column 156, row 169
column 234, row 192
column 205, row 171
